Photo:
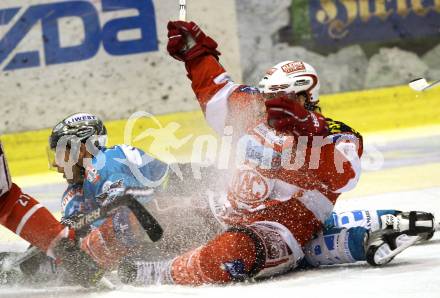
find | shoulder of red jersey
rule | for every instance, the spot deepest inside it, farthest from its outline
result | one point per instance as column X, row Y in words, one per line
column 336, row 129
column 339, row 132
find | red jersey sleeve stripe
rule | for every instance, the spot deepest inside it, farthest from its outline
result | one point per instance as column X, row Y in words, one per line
column 26, row 217
column 217, row 107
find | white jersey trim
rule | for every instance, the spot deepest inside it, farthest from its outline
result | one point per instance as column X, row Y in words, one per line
column 317, row 203
column 26, row 217
column 289, row 239
column 287, row 236
column 217, row 107
column 349, row 151
column 283, row 191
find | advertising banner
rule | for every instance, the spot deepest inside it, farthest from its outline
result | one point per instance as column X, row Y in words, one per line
column 107, row 57
column 335, row 23
column 93, row 30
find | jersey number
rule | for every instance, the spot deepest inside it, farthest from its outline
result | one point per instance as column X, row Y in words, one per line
column 23, row 200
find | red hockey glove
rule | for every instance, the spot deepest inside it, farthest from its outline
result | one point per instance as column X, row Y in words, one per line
column 285, row 114
column 187, row 41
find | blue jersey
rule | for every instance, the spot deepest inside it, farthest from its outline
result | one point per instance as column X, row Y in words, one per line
column 108, row 173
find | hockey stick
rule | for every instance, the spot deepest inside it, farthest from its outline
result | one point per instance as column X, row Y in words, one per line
column 190, row 42
column 182, row 10
column 422, row 85
column 82, row 224
column 147, row 221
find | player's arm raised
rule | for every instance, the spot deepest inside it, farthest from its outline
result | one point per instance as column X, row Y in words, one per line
column 211, row 83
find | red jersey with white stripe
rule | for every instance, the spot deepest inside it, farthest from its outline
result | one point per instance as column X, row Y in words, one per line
column 293, row 178
column 24, row 216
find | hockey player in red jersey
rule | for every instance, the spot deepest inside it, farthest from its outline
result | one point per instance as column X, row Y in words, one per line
column 274, row 207
column 25, row 216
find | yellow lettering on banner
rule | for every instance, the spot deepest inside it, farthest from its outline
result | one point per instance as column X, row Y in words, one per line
column 364, row 10
column 351, row 9
column 418, row 8
column 327, row 13
column 381, row 9
column 333, row 15
column 402, row 8
column 338, row 28
column 437, row 5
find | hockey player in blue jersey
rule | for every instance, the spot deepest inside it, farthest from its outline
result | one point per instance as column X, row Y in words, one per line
column 96, row 175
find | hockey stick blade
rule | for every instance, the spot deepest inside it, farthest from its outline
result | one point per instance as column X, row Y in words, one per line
column 147, row 221
column 418, row 84
column 128, row 199
column 383, row 260
column 422, row 84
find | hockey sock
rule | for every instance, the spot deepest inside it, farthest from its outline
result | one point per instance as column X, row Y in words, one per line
column 337, row 246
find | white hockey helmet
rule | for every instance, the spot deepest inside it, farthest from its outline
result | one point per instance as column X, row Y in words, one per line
column 292, row 76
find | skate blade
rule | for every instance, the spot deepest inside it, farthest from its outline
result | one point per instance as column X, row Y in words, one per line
column 406, row 243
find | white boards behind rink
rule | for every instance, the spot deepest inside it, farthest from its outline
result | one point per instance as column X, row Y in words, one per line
column 102, row 56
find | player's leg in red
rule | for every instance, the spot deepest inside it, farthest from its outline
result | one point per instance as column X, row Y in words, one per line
column 259, row 250
column 27, row 218
column 23, row 215
column 231, row 255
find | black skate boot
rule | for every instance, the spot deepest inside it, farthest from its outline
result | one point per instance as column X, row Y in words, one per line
column 384, row 245
column 412, row 223
column 401, row 232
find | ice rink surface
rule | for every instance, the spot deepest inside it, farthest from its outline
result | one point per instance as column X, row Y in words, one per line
column 408, row 179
